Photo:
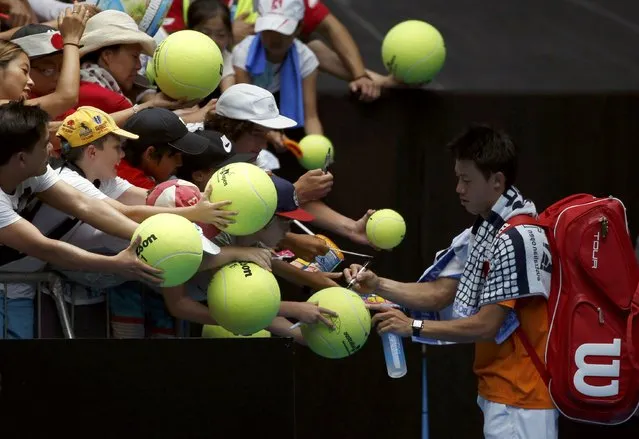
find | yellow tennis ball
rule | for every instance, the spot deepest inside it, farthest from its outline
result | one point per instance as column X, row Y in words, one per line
column 217, row 331
column 413, row 51
column 243, row 297
column 385, row 229
column 171, row 243
column 252, row 193
column 187, row 65
column 352, row 325
column 150, row 72
column 314, row 148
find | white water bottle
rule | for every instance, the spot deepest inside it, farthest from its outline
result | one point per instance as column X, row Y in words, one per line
column 394, row 355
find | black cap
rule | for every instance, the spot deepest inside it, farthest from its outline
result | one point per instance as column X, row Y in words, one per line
column 219, row 152
column 32, row 29
column 220, row 149
column 157, row 126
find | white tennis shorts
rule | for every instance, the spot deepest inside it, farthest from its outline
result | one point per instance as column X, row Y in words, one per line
column 507, row 422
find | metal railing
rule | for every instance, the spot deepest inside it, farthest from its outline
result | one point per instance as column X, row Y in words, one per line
column 54, row 285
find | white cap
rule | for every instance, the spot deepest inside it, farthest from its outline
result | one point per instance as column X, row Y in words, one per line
column 281, row 16
column 252, row 103
column 41, row 44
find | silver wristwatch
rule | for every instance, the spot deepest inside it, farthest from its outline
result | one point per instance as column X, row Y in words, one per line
column 417, row 326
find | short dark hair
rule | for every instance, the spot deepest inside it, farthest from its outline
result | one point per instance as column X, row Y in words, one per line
column 203, row 10
column 490, row 149
column 94, row 57
column 231, row 128
column 204, row 161
column 133, row 151
column 72, row 155
column 21, row 128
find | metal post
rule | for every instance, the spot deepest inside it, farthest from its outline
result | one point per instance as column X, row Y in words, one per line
column 38, row 299
column 108, row 313
column 72, row 305
column 425, row 430
column 5, row 307
column 55, row 284
column 58, row 296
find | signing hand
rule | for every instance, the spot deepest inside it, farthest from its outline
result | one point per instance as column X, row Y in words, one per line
column 366, row 281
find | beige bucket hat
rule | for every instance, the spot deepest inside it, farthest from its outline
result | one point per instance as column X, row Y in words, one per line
column 111, row 27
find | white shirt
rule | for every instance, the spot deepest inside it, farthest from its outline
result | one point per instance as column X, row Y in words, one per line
column 47, row 10
column 270, row 79
column 49, row 218
column 12, row 204
column 10, row 207
column 82, row 235
column 228, row 64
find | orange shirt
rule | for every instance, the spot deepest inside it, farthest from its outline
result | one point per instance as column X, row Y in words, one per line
column 506, row 373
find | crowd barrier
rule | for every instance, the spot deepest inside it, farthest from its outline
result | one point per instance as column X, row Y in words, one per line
column 48, row 281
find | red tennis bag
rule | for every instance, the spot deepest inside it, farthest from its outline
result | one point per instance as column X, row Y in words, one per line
column 592, row 356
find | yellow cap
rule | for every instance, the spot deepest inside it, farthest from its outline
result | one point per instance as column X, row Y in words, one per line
column 88, row 124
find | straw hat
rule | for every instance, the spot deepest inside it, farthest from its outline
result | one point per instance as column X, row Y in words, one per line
column 110, row 28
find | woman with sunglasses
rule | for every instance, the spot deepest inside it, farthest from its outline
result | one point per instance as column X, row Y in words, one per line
column 41, row 65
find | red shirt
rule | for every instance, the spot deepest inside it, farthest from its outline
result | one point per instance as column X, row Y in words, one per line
column 135, row 176
column 95, row 95
column 315, row 13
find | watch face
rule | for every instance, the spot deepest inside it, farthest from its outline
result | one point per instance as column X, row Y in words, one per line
column 417, row 324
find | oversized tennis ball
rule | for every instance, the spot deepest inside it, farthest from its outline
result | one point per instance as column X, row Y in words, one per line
column 352, row 325
column 252, row 194
column 314, row 148
column 385, row 229
column 243, row 298
column 216, row 331
column 413, row 51
column 187, row 65
column 170, row 243
column 150, row 72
